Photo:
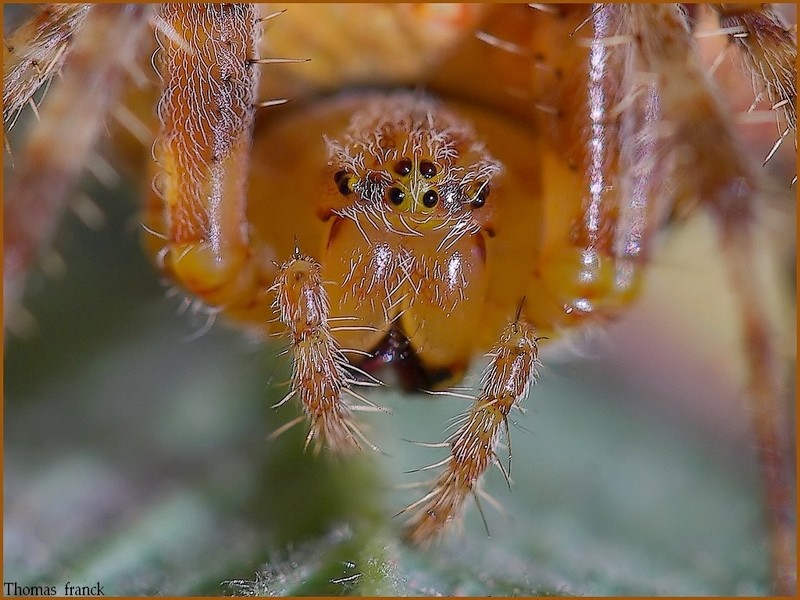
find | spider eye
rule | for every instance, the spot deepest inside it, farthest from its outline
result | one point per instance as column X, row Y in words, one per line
column 396, row 196
column 427, row 168
column 480, row 198
column 403, row 167
column 344, row 182
column 430, row 198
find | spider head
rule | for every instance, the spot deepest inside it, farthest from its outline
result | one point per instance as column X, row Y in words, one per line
column 413, row 162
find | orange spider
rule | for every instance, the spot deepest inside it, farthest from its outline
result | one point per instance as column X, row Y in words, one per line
column 513, row 195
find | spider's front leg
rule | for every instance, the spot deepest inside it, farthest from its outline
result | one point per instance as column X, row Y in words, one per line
column 206, row 113
column 207, row 109
column 319, row 377
column 473, row 447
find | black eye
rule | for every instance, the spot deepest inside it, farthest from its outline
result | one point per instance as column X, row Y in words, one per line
column 396, row 195
column 403, row 167
column 427, row 168
column 430, row 198
column 480, row 199
column 342, row 181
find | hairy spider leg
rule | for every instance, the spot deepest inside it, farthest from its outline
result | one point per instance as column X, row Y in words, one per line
column 473, row 447
column 769, row 51
column 319, row 369
column 732, row 190
column 70, row 123
column 36, row 51
column 660, row 119
column 206, row 60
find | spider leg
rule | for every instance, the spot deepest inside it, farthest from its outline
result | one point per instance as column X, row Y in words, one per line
column 689, row 125
column 732, row 192
column 769, row 51
column 206, row 61
column 473, row 447
column 35, row 52
column 319, row 378
column 58, row 145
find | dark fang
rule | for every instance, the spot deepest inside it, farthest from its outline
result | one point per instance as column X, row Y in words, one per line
column 342, row 181
column 396, row 195
column 403, row 167
column 430, row 198
column 427, row 168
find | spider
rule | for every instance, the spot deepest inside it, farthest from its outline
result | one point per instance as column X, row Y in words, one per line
column 484, row 180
